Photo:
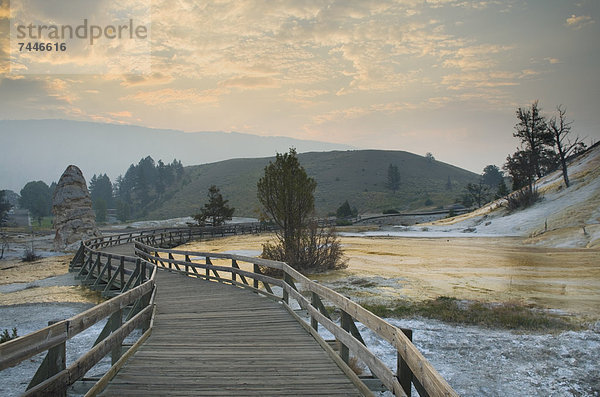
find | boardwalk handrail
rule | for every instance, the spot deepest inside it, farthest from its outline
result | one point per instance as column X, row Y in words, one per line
column 92, row 263
column 54, row 378
column 428, row 380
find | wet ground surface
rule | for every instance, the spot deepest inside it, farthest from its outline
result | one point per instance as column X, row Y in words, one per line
column 31, row 317
column 500, row 269
column 475, row 361
column 484, row 362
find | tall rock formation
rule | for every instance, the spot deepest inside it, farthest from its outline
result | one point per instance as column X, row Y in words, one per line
column 74, row 219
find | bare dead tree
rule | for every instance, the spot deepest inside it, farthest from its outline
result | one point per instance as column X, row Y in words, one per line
column 560, row 128
column 533, row 132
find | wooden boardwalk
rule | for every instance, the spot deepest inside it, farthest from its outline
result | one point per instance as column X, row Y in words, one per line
column 233, row 335
column 210, row 338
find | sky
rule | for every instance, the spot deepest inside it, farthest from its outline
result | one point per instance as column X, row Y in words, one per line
column 439, row 76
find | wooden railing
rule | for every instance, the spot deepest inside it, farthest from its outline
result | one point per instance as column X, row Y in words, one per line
column 249, row 272
column 132, row 280
column 113, row 274
column 131, row 309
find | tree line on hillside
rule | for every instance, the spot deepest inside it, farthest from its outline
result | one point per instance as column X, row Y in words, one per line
column 141, row 188
column 545, row 145
column 132, row 195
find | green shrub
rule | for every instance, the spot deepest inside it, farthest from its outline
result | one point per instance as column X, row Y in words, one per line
column 30, row 256
column 523, row 198
column 5, row 336
column 451, row 310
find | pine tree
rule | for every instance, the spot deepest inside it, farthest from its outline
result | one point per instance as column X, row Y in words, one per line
column 536, row 156
column 492, row 175
column 344, row 211
column 502, row 189
column 37, row 198
column 5, row 206
column 393, row 178
column 286, row 193
column 216, row 211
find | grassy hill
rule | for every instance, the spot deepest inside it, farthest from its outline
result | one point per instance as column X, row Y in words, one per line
column 358, row 176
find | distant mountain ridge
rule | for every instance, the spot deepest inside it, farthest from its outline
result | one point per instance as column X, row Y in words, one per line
column 42, row 149
column 358, row 176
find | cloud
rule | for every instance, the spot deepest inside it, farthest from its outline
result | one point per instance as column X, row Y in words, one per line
column 136, row 80
column 4, row 9
column 578, row 22
column 22, row 97
column 305, row 97
column 475, row 57
column 173, row 97
column 250, row 82
column 123, row 113
column 118, row 54
column 480, row 79
column 355, row 112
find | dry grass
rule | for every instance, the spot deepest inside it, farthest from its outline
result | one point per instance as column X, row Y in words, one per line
column 15, row 271
column 505, row 315
column 51, row 294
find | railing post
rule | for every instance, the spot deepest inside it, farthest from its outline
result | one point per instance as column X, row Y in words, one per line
column 138, row 268
column 286, row 297
column 54, row 362
column 313, row 301
column 405, row 375
column 79, row 257
column 145, row 302
column 233, row 274
column 116, row 320
column 256, row 270
column 109, row 269
column 99, row 264
column 345, row 324
column 122, row 272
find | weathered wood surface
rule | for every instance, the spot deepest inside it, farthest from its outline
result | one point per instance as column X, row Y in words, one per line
column 215, row 339
column 124, row 249
column 425, row 375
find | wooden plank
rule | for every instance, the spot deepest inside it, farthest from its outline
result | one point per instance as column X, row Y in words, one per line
column 431, row 380
column 347, row 370
column 359, row 350
column 91, row 316
column 23, row 347
column 114, row 369
column 78, row 369
column 242, row 357
column 240, row 272
column 225, row 348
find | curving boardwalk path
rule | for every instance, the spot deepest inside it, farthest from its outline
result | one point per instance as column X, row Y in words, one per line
column 215, row 339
